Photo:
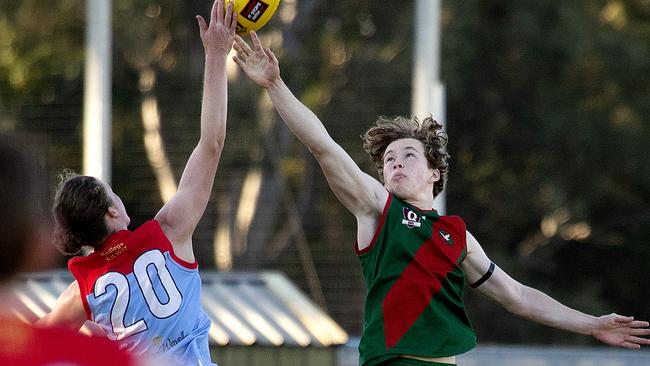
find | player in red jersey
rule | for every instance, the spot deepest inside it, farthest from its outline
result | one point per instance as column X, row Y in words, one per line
column 25, row 245
column 414, row 260
column 142, row 286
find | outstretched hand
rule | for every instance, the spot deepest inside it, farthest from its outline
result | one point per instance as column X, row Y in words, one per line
column 259, row 63
column 217, row 37
column 621, row 331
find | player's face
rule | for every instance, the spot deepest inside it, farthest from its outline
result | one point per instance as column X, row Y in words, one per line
column 406, row 170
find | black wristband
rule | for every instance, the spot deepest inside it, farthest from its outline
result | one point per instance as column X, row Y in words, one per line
column 485, row 277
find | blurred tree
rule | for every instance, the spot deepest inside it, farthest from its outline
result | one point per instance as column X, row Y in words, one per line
column 547, row 108
column 41, row 61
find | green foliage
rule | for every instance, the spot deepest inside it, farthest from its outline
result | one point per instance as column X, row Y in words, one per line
column 547, row 106
column 546, row 113
column 36, row 46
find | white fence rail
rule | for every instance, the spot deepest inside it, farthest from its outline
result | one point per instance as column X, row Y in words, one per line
column 493, row 355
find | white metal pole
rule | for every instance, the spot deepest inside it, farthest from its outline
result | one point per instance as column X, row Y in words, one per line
column 97, row 90
column 428, row 91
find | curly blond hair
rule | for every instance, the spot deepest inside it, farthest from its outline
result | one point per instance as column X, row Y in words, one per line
column 428, row 131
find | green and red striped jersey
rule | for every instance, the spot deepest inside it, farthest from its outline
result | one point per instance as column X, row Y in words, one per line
column 415, row 286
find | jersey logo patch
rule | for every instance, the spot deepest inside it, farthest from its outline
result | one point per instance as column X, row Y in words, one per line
column 446, row 237
column 411, row 219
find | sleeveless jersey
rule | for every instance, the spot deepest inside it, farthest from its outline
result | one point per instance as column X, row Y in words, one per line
column 145, row 297
column 415, row 286
column 26, row 345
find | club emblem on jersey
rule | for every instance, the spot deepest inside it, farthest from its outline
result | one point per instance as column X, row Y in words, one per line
column 411, row 219
column 446, row 237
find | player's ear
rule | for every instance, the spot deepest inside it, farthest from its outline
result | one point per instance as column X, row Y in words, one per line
column 113, row 212
column 435, row 175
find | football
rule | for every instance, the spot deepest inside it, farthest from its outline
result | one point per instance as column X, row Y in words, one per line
column 253, row 14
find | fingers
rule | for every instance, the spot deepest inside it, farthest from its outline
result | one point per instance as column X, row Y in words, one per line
column 241, row 46
column 238, row 61
column 228, row 18
column 638, row 340
column 202, row 24
column 257, row 44
column 217, row 11
column 640, row 331
column 639, row 324
column 271, row 56
column 623, row 319
column 233, row 22
column 630, row 345
column 229, row 15
column 238, row 48
column 635, row 342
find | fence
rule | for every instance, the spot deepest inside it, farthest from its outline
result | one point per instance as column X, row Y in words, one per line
column 494, row 355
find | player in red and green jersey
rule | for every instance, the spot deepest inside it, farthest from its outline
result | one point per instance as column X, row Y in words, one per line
column 415, row 306
column 415, row 262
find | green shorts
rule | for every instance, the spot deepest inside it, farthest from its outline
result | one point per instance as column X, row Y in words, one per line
column 403, row 361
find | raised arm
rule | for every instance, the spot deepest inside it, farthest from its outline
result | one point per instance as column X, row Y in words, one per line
column 360, row 193
column 182, row 213
column 532, row 304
